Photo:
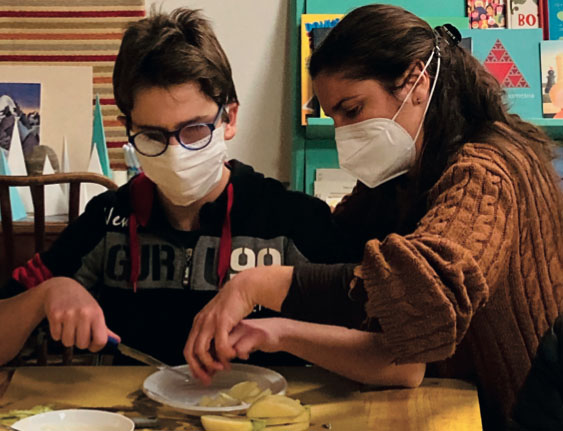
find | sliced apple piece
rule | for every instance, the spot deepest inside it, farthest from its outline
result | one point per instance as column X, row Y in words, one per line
column 303, row 417
column 255, row 398
column 273, row 406
column 204, row 401
column 227, row 400
column 222, row 423
column 245, row 389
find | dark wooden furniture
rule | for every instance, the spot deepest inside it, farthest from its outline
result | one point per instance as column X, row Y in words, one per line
column 37, row 185
column 22, row 239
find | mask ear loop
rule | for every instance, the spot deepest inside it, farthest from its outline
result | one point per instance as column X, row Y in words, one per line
column 437, row 49
column 415, row 83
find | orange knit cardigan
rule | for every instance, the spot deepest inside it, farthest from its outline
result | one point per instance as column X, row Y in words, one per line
column 480, row 279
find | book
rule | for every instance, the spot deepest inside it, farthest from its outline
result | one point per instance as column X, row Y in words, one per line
column 510, row 56
column 483, row 14
column 331, row 185
column 310, row 26
column 555, row 19
column 552, row 78
column 543, row 18
column 333, row 174
column 523, row 14
column 466, row 43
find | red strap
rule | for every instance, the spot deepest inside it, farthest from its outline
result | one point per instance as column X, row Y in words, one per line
column 32, row 273
column 142, row 197
column 225, row 242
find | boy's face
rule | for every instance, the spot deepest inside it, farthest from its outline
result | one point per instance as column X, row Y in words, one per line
column 176, row 106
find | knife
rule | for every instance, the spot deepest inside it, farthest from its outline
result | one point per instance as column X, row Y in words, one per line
column 145, row 358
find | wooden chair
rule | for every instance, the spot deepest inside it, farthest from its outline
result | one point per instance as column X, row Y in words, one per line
column 37, row 185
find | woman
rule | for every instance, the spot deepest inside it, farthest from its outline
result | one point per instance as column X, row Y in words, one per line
column 460, row 208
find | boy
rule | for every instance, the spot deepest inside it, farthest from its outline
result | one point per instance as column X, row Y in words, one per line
column 144, row 260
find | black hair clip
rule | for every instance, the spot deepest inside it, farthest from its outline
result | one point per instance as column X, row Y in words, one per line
column 451, row 33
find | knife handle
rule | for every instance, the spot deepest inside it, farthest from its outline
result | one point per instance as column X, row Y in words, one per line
column 112, row 341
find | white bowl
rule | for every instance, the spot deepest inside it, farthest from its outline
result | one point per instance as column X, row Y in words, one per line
column 76, row 420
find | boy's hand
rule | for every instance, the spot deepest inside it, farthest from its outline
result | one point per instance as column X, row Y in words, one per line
column 75, row 317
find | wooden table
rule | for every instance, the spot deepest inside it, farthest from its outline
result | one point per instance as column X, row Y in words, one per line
column 438, row 405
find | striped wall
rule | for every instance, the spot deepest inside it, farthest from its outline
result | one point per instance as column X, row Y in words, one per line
column 72, row 32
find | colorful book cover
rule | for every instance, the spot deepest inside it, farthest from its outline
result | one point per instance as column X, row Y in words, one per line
column 543, row 18
column 309, row 22
column 523, row 14
column 510, row 56
column 552, row 78
column 486, row 14
column 555, row 19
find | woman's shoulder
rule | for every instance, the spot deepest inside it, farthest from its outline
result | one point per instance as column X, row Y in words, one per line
column 500, row 155
column 503, row 159
column 478, row 158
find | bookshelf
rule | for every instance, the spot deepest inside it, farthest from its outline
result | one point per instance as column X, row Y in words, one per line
column 323, row 128
column 313, row 145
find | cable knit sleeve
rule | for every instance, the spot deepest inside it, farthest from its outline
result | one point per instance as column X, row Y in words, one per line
column 425, row 287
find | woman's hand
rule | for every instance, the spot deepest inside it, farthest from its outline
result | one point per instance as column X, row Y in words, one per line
column 75, row 317
column 208, row 348
column 213, row 324
column 257, row 334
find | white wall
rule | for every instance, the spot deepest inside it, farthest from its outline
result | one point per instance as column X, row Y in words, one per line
column 253, row 33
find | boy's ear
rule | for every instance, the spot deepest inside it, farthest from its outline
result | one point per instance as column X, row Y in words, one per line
column 231, row 126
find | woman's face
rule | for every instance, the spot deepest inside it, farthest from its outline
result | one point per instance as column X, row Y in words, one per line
column 348, row 101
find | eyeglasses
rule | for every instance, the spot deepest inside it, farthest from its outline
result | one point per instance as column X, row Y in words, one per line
column 192, row 137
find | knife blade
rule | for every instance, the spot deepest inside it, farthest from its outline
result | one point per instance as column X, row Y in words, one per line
column 145, row 358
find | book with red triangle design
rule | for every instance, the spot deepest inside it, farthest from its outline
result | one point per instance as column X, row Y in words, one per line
column 512, row 57
column 501, row 65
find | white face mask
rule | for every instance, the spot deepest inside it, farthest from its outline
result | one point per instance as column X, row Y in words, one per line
column 185, row 176
column 380, row 149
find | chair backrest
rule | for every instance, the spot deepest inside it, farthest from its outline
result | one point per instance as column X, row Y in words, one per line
column 37, row 185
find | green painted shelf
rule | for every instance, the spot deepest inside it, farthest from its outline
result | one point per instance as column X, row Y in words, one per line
column 323, row 128
column 553, row 127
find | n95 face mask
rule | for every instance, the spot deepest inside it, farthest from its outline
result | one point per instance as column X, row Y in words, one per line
column 185, row 176
column 379, row 149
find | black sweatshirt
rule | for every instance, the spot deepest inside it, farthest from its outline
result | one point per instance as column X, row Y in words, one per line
column 178, row 269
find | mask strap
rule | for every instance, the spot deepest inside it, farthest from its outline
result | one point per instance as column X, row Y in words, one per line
column 416, row 82
column 429, row 97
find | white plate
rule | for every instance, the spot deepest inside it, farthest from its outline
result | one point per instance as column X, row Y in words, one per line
column 75, row 420
column 170, row 389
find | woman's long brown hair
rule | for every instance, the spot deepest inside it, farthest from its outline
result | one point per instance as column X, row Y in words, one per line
column 382, row 42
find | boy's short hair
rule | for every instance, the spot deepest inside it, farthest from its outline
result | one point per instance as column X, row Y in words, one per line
column 170, row 49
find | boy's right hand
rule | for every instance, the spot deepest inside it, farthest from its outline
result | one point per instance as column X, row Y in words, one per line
column 75, row 317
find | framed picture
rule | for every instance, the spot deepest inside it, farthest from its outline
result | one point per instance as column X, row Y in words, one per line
column 52, row 104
